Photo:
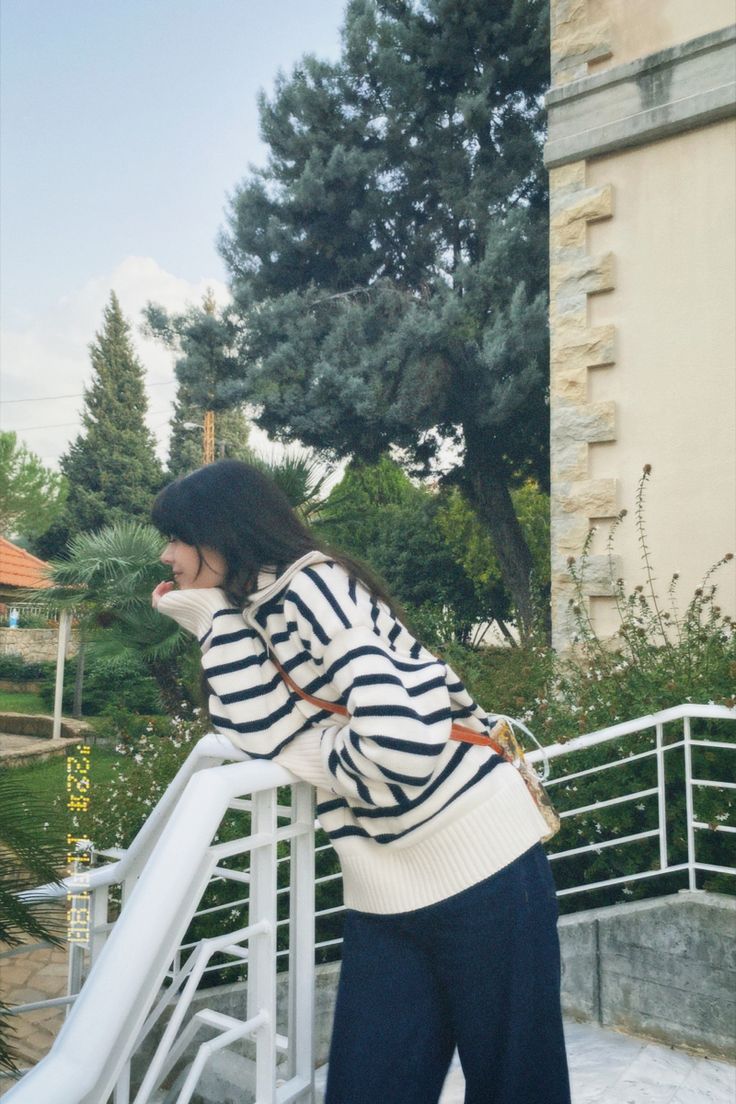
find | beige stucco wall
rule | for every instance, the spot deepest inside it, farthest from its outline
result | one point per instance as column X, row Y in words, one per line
column 642, row 158
column 591, row 36
column 673, row 238
column 634, row 28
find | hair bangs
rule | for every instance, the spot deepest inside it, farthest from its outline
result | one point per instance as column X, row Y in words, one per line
column 172, row 514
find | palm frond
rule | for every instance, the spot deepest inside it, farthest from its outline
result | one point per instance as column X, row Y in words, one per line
column 301, row 475
column 30, row 858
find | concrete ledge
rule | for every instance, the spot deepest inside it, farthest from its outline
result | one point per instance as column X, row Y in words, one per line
column 26, row 738
column 41, row 725
column 637, row 103
column 664, row 969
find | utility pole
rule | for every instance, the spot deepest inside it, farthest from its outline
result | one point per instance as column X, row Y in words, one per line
column 208, row 437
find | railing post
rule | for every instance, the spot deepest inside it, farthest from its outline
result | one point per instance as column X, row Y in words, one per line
column 65, row 620
column 688, row 753
column 301, row 939
column 262, row 947
column 661, row 799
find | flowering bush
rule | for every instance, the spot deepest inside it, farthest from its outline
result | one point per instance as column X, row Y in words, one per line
column 659, row 658
column 151, row 750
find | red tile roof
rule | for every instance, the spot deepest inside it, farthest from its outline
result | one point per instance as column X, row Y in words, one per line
column 19, row 568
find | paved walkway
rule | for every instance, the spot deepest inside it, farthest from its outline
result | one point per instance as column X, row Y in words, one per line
column 607, row 1067
column 27, row 749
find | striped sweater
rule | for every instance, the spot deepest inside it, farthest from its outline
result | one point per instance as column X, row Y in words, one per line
column 414, row 816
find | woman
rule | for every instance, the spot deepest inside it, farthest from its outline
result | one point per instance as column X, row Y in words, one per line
column 450, row 935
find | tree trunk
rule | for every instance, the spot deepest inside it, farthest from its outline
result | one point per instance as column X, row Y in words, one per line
column 79, row 683
column 486, row 484
column 166, row 674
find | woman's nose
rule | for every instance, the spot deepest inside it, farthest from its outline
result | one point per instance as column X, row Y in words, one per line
column 165, row 556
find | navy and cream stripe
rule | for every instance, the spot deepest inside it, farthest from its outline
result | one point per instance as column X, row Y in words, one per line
column 388, row 772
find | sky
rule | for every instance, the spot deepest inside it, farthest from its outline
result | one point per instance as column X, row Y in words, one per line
column 124, row 126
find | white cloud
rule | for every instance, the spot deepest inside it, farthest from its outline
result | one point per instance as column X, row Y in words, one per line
column 48, row 356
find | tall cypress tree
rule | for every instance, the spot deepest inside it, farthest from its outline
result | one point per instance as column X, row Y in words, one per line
column 112, row 467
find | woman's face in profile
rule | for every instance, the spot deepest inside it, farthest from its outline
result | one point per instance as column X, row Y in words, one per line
column 192, row 570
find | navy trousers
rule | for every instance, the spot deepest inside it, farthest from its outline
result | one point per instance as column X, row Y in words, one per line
column 479, row 971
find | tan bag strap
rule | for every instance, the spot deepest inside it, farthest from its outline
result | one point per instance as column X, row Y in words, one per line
column 457, row 732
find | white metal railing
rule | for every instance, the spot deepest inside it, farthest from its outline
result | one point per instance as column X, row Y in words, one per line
column 183, row 964
column 663, row 754
column 163, row 876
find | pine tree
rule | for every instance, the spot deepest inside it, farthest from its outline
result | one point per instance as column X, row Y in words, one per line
column 111, row 467
column 208, row 372
column 389, row 265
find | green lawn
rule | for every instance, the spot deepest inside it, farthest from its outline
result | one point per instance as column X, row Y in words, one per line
column 22, row 701
column 48, row 778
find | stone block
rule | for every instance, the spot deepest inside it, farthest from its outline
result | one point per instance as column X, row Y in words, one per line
column 584, row 422
column 589, row 275
column 588, row 498
column 569, row 460
column 581, row 345
column 569, row 221
column 596, row 572
column 566, row 178
column 576, row 40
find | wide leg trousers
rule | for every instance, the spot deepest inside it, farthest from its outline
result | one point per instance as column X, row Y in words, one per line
column 479, row 971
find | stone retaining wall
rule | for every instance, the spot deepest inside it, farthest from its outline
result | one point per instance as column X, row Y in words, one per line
column 41, row 725
column 34, row 645
column 664, row 969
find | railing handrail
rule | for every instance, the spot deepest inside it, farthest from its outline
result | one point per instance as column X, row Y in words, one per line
column 184, row 821
column 626, row 728
column 210, row 750
column 110, row 1009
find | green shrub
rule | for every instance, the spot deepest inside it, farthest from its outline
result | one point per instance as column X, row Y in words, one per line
column 110, row 683
column 150, row 750
column 15, row 667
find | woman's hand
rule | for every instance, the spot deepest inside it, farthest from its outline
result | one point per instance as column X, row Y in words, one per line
column 159, row 591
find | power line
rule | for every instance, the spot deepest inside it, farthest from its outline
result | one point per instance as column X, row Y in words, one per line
column 66, row 425
column 57, row 425
column 50, row 398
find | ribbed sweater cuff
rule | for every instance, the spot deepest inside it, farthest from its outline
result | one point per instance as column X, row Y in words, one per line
column 193, row 609
column 302, row 757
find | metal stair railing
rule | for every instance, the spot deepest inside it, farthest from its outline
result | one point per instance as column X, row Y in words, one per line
column 660, row 751
column 617, row 739
column 166, row 870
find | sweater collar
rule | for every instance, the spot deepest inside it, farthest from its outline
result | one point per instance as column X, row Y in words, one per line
column 270, row 584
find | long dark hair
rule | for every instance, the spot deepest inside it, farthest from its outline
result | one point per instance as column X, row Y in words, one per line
column 240, row 512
